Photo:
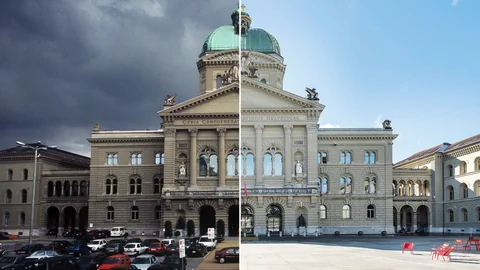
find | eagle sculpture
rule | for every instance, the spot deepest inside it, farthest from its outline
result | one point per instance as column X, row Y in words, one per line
column 312, row 93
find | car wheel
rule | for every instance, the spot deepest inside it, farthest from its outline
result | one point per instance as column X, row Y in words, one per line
column 222, row 260
column 137, row 253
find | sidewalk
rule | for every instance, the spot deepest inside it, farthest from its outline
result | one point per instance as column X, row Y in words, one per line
column 210, row 263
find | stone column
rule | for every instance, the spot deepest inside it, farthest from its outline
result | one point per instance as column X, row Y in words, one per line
column 71, row 188
column 288, row 154
column 399, row 221
column 77, row 221
column 259, row 155
column 169, row 166
column 193, row 159
column 414, row 221
column 221, row 157
column 311, row 160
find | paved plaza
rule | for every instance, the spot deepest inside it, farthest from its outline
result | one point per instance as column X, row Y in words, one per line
column 352, row 253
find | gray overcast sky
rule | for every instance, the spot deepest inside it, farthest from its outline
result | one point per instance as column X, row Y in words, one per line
column 65, row 65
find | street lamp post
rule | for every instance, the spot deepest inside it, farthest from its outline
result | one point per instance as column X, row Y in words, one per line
column 37, row 147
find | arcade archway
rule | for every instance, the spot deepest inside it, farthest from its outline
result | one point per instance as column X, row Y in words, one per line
column 83, row 222
column 52, row 217
column 207, row 219
column 233, row 221
column 69, row 215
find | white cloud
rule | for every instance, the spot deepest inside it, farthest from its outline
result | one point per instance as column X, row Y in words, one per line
column 378, row 121
column 329, row 126
column 454, row 2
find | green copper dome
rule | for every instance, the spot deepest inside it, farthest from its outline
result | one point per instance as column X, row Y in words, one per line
column 224, row 38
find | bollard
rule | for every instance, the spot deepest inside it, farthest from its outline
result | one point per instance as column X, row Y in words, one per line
column 304, row 234
column 244, row 234
column 256, row 234
column 316, row 234
column 293, row 234
column 268, row 233
column 281, row 233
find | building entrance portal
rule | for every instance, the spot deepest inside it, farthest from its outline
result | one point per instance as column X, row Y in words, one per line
column 52, row 217
column 233, row 213
column 207, row 219
column 69, row 217
column 82, row 223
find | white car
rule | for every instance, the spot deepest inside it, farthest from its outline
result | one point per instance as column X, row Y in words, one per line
column 209, row 243
column 97, row 245
column 143, row 262
column 133, row 249
column 118, row 231
column 40, row 254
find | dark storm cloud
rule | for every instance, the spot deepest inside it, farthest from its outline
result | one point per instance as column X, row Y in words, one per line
column 65, row 65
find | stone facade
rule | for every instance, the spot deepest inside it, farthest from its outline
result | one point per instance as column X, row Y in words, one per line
column 16, row 185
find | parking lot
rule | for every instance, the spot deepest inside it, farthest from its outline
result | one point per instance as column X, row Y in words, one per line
column 206, row 262
column 335, row 253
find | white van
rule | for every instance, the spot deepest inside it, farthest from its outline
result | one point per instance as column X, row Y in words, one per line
column 118, row 231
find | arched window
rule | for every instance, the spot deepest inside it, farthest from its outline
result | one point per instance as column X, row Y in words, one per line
column 115, row 159
column 8, row 196
column 463, row 167
column 273, row 162
column 50, row 189
column 157, row 212
column 367, row 157
column 346, row 211
column 156, row 186
column 268, row 164
column 208, row 163
column 136, row 158
column 464, row 191
column 132, row 186
column 247, row 162
column 247, row 219
column 110, row 159
column 232, row 160
column 451, row 216
column 110, row 213
column 371, row 211
column 162, row 159
column 476, row 186
column 323, row 184
column 450, row 170
column 426, row 188
column 135, row 212
column 108, row 186
column 218, row 81
column 58, row 189
column 274, row 218
column 22, row 219
column 10, row 175
column 370, row 185
column 322, row 158
column 342, row 157
column 345, row 185
column 348, row 158
column 278, row 164
column 477, row 164
column 465, row 215
column 451, row 193
column 24, row 196
column 66, row 188
column 114, row 186
column 410, row 188
column 323, row 212
column 83, row 189
column 7, row 218
column 157, row 158
column 25, row 174
column 139, row 186
column 373, row 158
column 74, row 188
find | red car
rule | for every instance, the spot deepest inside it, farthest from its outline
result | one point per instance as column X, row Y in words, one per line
column 231, row 254
column 156, row 248
column 114, row 261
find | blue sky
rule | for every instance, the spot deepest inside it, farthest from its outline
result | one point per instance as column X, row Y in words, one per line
column 416, row 63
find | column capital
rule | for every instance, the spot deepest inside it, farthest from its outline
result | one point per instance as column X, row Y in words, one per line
column 170, row 132
column 221, row 131
column 311, row 128
column 259, row 128
column 288, row 128
column 193, row 131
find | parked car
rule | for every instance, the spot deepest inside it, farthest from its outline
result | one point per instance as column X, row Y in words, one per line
column 53, row 263
column 209, row 243
column 114, row 248
column 97, row 245
column 104, row 233
column 9, row 260
column 115, row 260
column 219, row 239
column 78, row 248
column 52, row 231
column 42, row 254
column 29, row 249
column 147, row 242
column 135, row 249
column 92, row 261
column 69, row 232
column 156, row 248
column 4, row 236
column 134, row 240
column 124, row 267
column 228, row 254
column 174, row 262
column 167, row 242
column 60, row 246
column 172, row 248
column 196, row 250
column 142, row 262
column 118, row 232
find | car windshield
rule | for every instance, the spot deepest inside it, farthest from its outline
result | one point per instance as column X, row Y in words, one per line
column 204, row 239
column 41, row 252
column 7, row 259
column 27, row 247
column 112, row 261
column 115, row 230
column 112, row 245
column 96, row 242
column 130, row 246
column 156, row 245
column 141, row 261
column 165, row 242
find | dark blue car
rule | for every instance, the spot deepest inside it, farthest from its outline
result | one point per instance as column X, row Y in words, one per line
column 78, row 248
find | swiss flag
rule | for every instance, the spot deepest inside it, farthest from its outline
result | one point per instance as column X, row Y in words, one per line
column 245, row 189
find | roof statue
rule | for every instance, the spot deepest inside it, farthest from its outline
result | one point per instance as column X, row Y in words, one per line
column 170, row 100
column 97, row 127
column 387, row 124
column 248, row 65
column 312, row 94
column 231, row 75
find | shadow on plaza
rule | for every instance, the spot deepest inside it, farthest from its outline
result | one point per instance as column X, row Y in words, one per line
column 422, row 244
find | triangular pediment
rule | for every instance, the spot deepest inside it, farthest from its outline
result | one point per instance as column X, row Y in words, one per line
column 260, row 96
column 223, row 101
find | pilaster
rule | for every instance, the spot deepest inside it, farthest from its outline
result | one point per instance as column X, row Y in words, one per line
column 288, row 153
column 259, row 155
column 312, row 150
column 221, row 157
column 193, row 159
column 169, row 166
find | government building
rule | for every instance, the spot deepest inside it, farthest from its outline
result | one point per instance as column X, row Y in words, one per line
column 301, row 179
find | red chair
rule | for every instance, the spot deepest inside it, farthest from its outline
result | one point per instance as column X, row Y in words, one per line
column 445, row 253
column 407, row 246
column 440, row 248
